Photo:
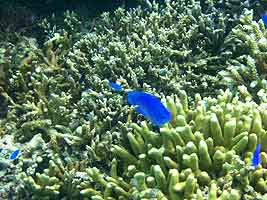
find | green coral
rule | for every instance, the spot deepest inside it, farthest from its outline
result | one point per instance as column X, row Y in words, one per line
column 196, row 156
column 165, row 48
column 248, row 64
column 57, row 181
column 45, row 92
column 77, row 136
column 38, row 103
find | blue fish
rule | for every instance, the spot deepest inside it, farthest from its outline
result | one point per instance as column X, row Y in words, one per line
column 256, row 156
column 264, row 19
column 206, row 104
column 115, row 86
column 14, row 154
column 150, row 107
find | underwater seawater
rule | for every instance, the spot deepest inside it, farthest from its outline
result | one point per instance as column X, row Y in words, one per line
column 131, row 100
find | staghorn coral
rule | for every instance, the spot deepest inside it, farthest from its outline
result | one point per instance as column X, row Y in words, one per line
column 176, row 44
column 36, row 100
column 57, row 91
column 246, row 47
column 177, row 36
column 165, row 48
column 66, row 118
column 204, row 153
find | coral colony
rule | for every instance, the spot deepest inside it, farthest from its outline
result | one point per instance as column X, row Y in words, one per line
column 191, row 77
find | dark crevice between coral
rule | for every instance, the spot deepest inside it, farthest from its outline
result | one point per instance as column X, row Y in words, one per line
column 3, row 107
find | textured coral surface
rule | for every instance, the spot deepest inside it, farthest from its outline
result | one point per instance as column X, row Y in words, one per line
column 80, row 139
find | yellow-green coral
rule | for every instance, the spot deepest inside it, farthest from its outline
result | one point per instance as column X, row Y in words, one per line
column 246, row 48
column 205, row 153
column 56, row 91
column 55, row 182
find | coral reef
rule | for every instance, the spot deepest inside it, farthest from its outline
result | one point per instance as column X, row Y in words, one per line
column 204, row 153
column 171, row 46
column 80, row 140
column 164, row 48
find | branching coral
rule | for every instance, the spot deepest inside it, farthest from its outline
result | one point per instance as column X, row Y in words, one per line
column 248, row 64
column 57, row 181
column 56, row 94
column 43, row 173
column 167, row 47
column 204, row 153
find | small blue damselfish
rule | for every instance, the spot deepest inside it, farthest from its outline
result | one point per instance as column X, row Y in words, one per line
column 146, row 104
column 264, row 19
column 14, row 154
column 256, row 156
column 149, row 106
column 115, row 86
